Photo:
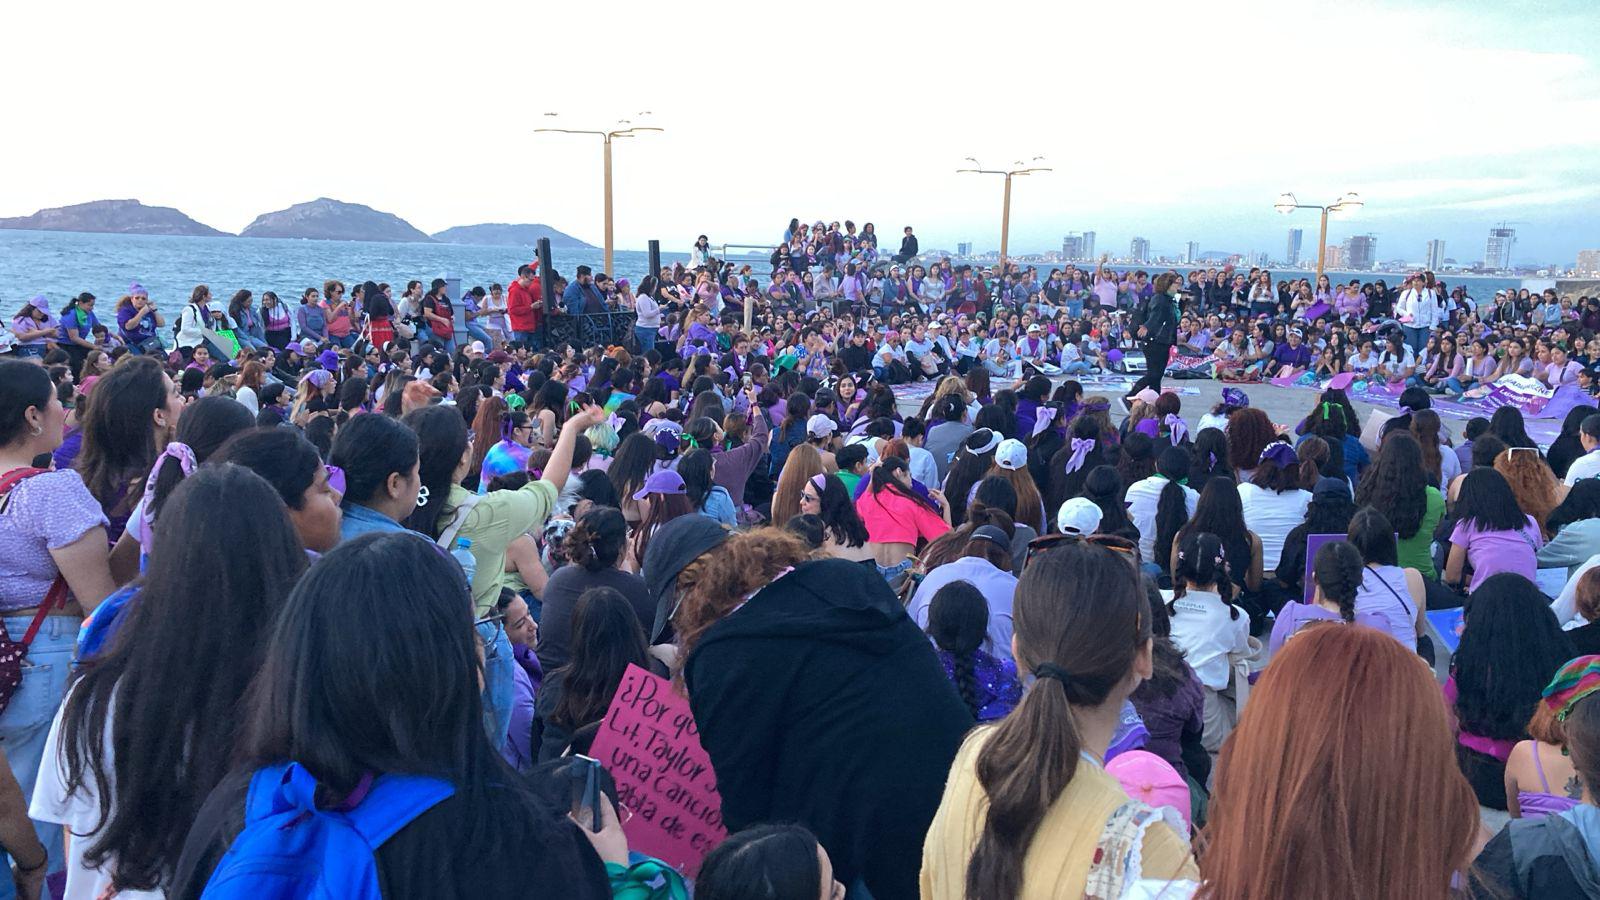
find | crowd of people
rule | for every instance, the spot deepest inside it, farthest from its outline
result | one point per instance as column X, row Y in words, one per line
column 355, row 584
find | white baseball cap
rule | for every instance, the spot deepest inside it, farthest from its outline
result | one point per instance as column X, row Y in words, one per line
column 476, row 347
column 1078, row 516
column 820, row 425
column 1011, row 455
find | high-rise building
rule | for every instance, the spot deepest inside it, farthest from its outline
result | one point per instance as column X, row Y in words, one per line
column 1588, row 263
column 1139, row 250
column 1292, row 258
column 964, row 249
column 1088, row 245
column 1435, row 257
column 1497, row 254
column 1361, row 251
column 1072, row 246
column 1191, row 252
column 1334, row 257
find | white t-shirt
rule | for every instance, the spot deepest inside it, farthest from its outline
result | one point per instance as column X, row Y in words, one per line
column 923, row 467
column 1272, row 516
column 80, row 813
column 1143, row 498
column 1212, row 420
column 1585, row 466
column 1206, row 632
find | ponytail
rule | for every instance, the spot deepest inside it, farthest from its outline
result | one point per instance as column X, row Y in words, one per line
column 1027, row 763
column 1080, row 616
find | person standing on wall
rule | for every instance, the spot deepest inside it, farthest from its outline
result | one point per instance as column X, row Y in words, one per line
column 1156, row 319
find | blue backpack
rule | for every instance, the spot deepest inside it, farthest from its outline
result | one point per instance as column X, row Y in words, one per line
column 291, row 850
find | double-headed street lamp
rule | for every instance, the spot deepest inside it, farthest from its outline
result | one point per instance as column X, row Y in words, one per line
column 1350, row 202
column 1019, row 168
column 606, row 137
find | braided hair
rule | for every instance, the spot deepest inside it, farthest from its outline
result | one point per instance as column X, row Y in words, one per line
column 958, row 622
column 1337, row 570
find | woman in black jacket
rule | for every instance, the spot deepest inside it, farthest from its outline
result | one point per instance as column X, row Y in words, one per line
column 1157, row 320
column 819, row 701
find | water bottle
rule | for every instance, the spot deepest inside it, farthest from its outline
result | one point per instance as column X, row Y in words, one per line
column 463, row 555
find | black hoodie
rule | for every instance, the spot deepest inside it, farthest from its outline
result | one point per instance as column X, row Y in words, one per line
column 821, row 702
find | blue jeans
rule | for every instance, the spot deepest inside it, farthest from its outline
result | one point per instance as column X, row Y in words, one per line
column 1074, row 308
column 26, row 722
column 645, row 336
column 346, row 342
column 478, row 334
column 1075, row 368
column 1416, row 338
column 1454, row 385
column 499, row 682
column 529, row 339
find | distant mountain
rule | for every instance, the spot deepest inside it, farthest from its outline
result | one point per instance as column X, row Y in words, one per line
column 332, row 220
column 112, row 217
column 499, row 234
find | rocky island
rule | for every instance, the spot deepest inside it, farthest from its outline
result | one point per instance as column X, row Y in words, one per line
column 499, row 234
column 113, row 217
column 333, row 220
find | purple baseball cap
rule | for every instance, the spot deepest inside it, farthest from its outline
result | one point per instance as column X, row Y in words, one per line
column 329, row 360
column 664, row 482
column 137, row 290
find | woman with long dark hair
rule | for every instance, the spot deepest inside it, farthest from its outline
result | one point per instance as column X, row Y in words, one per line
column 1160, row 505
column 1506, row 424
column 132, row 413
column 309, row 489
column 662, row 499
column 1103, row 488
column 1510, row 647
column 1397, row 484
column 845, row 535
column 1336, row 573
column 974, row 457
column 697, row 469
column 1220, row 512
column 958, row 623
column 634, row 461
column 1492, row 533
column 606, row 639
column 179, row 665
column 1028, row 799
column 1576, row 526
column 343, row 702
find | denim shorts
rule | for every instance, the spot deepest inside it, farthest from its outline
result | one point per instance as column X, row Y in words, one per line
column 26, row 721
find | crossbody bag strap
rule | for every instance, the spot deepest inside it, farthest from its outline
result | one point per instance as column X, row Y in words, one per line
column 1390, row 587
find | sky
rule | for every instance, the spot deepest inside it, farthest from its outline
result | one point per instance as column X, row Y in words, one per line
column 1161, row 119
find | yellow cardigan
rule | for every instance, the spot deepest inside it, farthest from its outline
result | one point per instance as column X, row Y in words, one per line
column 1057, row 863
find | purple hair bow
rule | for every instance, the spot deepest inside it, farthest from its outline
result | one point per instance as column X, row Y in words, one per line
column 1080, row 452
column 1046, row 415
column 1177, row 429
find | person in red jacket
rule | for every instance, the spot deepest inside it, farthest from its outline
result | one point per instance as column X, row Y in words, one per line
column 525, row 306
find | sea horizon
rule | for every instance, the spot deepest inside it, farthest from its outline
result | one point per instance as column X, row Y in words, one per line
column 62, row 264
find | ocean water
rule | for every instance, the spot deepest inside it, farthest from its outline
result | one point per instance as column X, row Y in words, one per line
column 63, row 264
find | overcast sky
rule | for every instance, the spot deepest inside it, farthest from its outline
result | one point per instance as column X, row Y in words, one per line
column 1172, row 120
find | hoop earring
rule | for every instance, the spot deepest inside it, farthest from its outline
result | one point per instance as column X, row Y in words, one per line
column 36, row 430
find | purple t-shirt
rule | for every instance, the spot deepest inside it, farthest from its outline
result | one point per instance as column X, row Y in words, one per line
column 44, row 512
column 1493, row 552
column 137, row 334
column 1296, row 615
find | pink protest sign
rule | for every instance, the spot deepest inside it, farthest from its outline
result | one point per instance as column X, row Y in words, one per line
column 649, row 744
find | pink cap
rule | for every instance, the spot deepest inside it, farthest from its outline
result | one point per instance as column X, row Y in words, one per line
column 1147, row 777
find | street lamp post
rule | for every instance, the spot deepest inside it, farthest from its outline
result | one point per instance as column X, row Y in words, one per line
column 1020, row 168
column 1350, row 201
column 606, row 138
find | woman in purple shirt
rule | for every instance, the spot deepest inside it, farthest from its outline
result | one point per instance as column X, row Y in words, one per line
column 1291, row 354
column 1492, row 533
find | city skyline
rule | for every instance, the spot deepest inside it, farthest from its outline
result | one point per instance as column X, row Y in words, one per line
column 1511, row 124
